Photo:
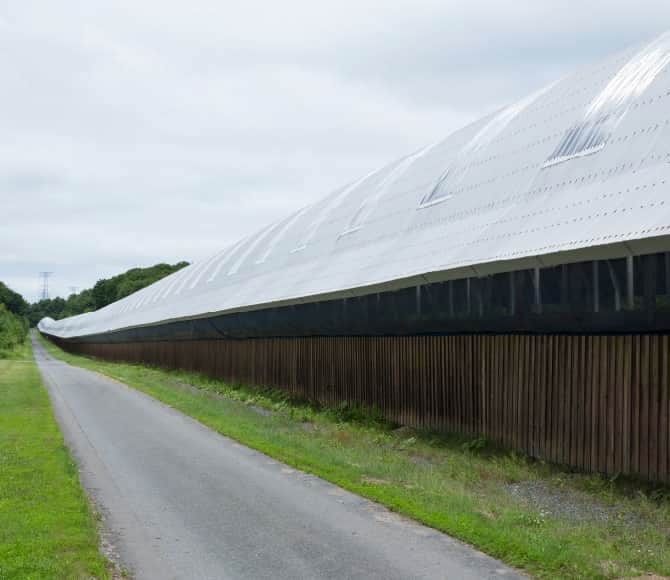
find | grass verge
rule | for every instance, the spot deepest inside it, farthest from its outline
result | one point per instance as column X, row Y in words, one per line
column 47, row 529
column 532, row 515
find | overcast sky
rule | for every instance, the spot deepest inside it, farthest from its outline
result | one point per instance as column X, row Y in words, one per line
column 140, row 131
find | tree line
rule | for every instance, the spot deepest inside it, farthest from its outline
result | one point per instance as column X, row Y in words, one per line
column 104, row 292
column 16, row 314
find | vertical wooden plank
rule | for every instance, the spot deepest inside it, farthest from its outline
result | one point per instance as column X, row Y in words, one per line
column 465, row 390
column 421, row 372
column 493, row 387
column 635, row 405
column 517, row 426
column 375, row 378
column 560, row 402
column 517, row 423
column 606, row 401
column 520, row 386
column 521, row 393
column 604, row 395
column 534, row 383
column 645, row 351
column 557, row 395
column 498, row 384
column 531, row 412
column 413, row 382
column 617, row 420
column 423, row 359
column 463, row 363
column 549, row 386
column 496, row 380
column 354, row 370
column 410, row 386
column 543, row 388
column 459, row 367
column 505, row 391
column 395, row 377
column 571, row 420
column 387, row 366
column 612, row 427
column 403, row 381
column 654, row 406
column 584, row 400
column 473, row 394
column 664, row 422
column 587, row 375
column 578, row 386
column 455, row 362
column 626, row 424
column 522, row 399
column 473, row 384
column 399, row 379
column 477, row 369
column 440, row 380
column 434, row 381
column 595, row 401
column 426, row 370
column 484, row 394
column 387, row 375
column 563, row 402
column 464, row 383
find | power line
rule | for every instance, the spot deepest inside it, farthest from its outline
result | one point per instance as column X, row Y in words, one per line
column 44, row 277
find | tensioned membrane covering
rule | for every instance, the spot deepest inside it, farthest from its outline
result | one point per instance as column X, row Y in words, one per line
column 578, row 166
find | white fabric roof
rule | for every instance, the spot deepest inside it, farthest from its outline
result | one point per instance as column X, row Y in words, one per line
column 574, row 171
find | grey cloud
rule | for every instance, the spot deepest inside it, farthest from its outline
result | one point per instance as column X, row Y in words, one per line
column 29, row 180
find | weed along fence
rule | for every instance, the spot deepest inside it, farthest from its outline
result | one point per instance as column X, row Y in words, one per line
column 598, row 403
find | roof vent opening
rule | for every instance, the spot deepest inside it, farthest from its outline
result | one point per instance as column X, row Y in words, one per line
column 451, row 179
column 604, row 114
column 357, row 220
column 369, row 204
column 331, row 204
column 439, row 193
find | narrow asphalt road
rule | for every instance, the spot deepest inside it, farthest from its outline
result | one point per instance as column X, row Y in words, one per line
column 181, row 501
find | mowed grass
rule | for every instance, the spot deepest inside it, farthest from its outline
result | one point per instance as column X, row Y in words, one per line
column 456, row 484
column 47, row 529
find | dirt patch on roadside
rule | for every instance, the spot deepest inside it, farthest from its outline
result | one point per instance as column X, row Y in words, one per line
column 374, row 480
column 571, row 504
column 261, row 410
column 214, row 395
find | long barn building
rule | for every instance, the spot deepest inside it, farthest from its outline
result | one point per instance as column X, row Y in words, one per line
column 512, row 280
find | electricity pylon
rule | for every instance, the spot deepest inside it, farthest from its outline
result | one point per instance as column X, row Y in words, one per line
column 44, row 277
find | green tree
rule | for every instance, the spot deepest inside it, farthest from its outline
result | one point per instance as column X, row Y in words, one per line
column 13, row 322
column 13, row 329
column 13, row 300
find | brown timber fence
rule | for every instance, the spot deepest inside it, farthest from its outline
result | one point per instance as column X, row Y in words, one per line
column 597, row 403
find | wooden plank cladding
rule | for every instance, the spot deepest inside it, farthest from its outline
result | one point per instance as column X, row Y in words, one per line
column 597, row 403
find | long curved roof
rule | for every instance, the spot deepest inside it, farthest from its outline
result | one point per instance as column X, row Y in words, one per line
column 577, row 169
